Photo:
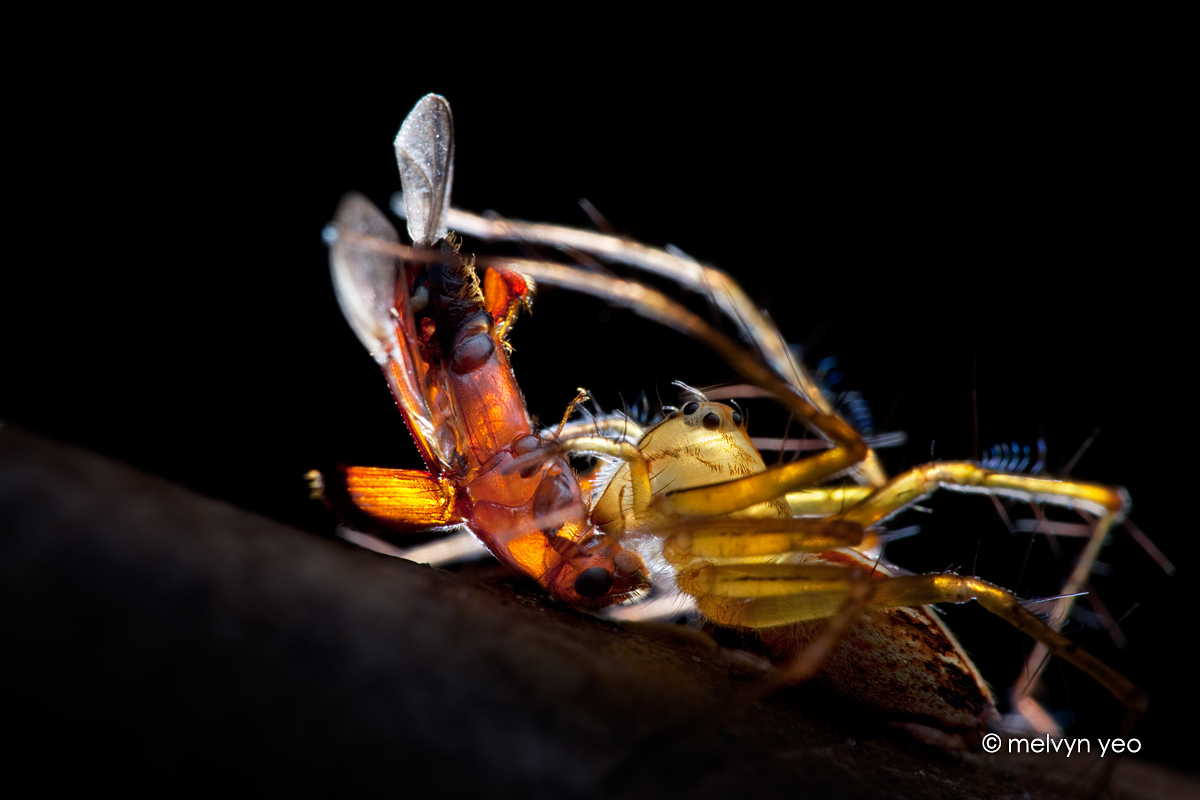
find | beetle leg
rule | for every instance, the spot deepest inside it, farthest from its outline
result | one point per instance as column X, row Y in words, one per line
column 611, row 426
column 639, row 469
column 506, row 294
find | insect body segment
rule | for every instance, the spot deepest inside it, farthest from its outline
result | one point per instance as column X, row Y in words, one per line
column 434, row 331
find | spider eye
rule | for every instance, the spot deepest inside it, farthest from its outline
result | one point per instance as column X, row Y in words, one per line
column 691, row 408
column 712, row 421
column 737, row 418
column 593, row 582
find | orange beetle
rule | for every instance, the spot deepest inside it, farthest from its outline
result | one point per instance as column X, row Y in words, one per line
column 440, row 339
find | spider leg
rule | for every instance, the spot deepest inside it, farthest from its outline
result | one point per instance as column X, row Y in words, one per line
column 849, row 453
column 918, row 483
column 1110, row 504
column 649, row 507
column 674, row 265
column 826, row 501
column 685, row 540
column 848, row 449
column 459, row 545
column 770, row 595
column 723, row 290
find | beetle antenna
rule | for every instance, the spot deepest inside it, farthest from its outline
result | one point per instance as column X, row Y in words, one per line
column 579, row 398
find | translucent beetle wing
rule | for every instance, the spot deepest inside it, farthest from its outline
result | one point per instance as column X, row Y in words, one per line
column 365, row 279
column 425, row 153
column 372, row 290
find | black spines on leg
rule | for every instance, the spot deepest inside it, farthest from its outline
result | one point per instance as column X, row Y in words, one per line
column 1013, row 457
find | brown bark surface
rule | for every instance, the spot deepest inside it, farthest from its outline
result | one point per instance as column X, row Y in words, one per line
column 155, row 638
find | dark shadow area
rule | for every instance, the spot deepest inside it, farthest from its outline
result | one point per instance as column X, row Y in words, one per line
column 158, row 639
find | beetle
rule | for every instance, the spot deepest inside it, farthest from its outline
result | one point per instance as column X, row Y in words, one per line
column 440, row 338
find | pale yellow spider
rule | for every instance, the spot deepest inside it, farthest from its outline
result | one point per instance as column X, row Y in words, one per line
column 783, row 551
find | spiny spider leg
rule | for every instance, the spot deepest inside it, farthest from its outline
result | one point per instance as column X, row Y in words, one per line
column 732, row 495
column 723, row 290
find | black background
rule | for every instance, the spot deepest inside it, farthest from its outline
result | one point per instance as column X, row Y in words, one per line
column 991, row 241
